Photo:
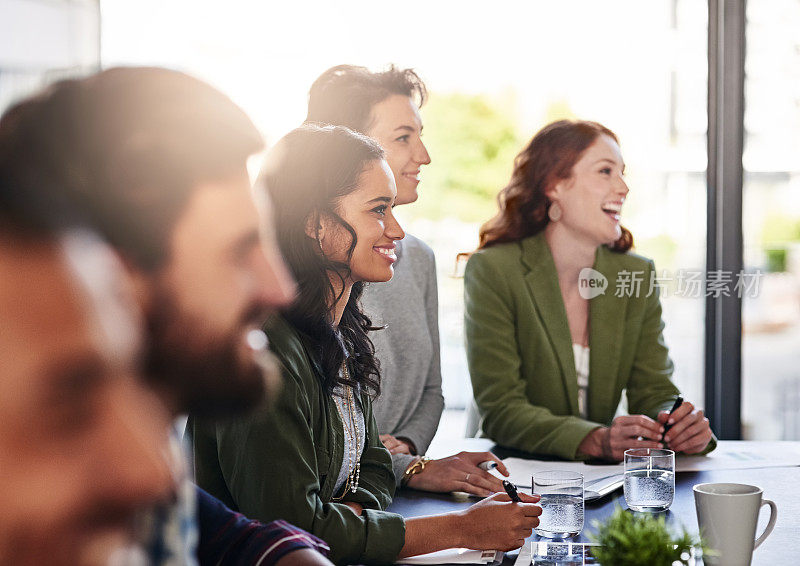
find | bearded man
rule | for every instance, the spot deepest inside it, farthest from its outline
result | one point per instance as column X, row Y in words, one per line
column 156, row 162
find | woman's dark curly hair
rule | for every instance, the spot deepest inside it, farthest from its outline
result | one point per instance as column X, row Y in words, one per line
column 547, row 159
column 306, row 174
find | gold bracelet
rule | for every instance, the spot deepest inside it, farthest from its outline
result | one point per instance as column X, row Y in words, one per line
column 416, row 467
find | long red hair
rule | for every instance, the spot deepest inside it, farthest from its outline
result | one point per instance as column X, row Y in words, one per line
column 547, row 159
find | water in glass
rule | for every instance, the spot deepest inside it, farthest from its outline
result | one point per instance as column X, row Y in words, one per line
column 649, row 479
column 561, row 495
column 650, row 491
column 562, row 516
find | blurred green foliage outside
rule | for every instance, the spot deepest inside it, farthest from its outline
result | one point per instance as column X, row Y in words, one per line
column 472, row 141
column 780, row 229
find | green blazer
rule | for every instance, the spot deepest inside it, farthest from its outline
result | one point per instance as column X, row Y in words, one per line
column 519, row 348
column 282, row 463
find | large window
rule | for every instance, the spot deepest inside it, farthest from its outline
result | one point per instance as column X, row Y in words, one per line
column 496, row 76
column 771, row 227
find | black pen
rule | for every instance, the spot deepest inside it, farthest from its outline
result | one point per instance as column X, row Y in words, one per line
column 511, row 491
column 678, row 403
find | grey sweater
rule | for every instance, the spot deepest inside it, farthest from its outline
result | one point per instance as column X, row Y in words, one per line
column 411, row 402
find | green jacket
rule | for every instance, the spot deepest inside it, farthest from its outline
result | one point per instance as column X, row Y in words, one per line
column 282, row 463
column 519, row 348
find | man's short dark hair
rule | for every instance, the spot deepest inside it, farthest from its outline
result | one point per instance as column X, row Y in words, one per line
column 344, row 95
column 125, row 149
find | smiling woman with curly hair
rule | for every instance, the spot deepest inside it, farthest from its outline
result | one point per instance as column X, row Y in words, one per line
column 315, row 458
column 536, row 309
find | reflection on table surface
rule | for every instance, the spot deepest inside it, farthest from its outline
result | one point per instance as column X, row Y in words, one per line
column 552, row 553
column 565, row 553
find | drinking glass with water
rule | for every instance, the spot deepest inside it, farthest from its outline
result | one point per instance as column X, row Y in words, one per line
column 561, row 495
column 649, row 479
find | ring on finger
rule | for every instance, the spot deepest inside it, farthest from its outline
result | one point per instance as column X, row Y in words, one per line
column 466, row 479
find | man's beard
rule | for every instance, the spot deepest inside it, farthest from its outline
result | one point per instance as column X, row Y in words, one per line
column 204, row 375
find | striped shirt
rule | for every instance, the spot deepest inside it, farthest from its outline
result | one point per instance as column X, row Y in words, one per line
column 228, row 538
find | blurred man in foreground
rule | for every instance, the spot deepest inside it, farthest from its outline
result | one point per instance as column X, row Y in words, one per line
column 156, row 162
column 81, row 441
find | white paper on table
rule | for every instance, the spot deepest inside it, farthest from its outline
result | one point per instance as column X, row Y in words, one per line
column 521, row 470
column 742, row 455
column 455, row 556
column 729, row 455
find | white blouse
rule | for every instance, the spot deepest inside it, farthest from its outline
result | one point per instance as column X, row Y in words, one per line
column 581, row 355
column 354, row 428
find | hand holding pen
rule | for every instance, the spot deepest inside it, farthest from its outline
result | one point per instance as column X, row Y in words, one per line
column 497, row 519
column 686, row 429
column 670, row 418
column 626, row 431
column 511, row 490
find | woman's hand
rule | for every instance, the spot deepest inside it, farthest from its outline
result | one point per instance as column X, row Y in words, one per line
column 395, row 445
column 460, row 473
column 690, row 432
column 626, row 431
column 497, row 523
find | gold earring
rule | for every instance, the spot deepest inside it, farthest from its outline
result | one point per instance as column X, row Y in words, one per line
column 554, row 212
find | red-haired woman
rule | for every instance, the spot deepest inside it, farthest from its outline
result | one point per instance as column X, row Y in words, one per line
column 550, row 349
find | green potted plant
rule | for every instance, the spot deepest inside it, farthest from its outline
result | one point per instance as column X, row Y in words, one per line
column 628, row 539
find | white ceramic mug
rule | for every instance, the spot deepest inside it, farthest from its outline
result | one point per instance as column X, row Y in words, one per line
column 727, row 514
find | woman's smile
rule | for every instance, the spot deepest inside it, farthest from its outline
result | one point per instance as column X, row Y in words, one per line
column 387, row 252
column 613, row 209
